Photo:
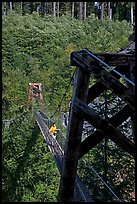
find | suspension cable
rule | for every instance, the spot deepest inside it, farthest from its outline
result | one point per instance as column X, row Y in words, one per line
column 90, row 167
column 71, row 78
column 14, row 120
column 109, row 67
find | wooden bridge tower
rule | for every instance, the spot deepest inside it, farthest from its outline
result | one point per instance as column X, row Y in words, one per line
column 88, row 66
column 35, row 91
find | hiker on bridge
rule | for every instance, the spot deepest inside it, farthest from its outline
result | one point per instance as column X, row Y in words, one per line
column 53, row 130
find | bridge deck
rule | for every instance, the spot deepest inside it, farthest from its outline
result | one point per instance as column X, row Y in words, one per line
column 81, row 193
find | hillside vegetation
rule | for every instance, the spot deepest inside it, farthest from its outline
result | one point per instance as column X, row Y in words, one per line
column 36, row 49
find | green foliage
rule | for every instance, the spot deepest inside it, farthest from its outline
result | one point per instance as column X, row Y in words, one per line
column 121, row 10
column 29, row 173
column 40, row 47
column 36, row 49
column 115, row 166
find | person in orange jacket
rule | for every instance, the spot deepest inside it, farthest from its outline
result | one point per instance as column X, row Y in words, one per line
column 53, row 130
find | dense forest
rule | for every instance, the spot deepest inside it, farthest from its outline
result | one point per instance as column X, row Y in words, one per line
column 78, row 10
column 37, row 39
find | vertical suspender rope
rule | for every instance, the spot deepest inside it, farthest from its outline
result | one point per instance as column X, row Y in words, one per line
column 106, row 139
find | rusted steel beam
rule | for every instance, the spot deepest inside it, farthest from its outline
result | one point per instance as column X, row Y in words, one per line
column 96, row 137
column 104, row 126
column 73, row 140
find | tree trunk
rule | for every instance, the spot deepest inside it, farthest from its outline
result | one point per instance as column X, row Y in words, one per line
column 4, row 9
column 10, row 6
column 73, row 3
column 102, row 10
column 131, row 7
column 91, row 10
column 85, row 10
column 54, row 9
column 42, row 9
column 38, row 9
column 58, row 9
column 109, row 9
column 80, row 11
column 21, row 8
column 31, row 7
column 50, row 8
column 110, row 14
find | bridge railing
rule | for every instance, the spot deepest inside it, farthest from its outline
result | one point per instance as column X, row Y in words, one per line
column 80, row 193
column 94, row 57
column 60, row 137
column 98, row 188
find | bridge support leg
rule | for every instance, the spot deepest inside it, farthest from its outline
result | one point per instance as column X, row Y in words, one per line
column 73, row 141
column 132, row 77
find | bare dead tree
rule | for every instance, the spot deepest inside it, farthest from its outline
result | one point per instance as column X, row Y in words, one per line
column 73, row 7
column 109, row 11
column 54, row 9
column 10, row 6
column 4, row 8
column 102, row 10
column 21, row 8
column 131, row 12
column 80, row 11
column 58, row 9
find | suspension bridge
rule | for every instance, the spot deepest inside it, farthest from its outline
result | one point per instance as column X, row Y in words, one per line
column 107, row 69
